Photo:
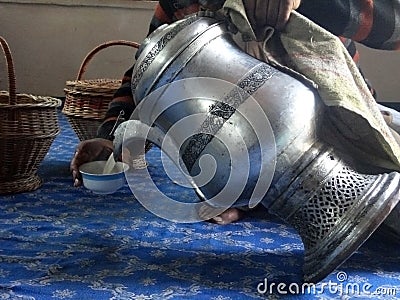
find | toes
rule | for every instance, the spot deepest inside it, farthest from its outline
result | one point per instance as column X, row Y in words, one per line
column 229, row 216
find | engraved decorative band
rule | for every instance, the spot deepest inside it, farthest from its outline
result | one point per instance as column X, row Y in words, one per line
column 223, row 110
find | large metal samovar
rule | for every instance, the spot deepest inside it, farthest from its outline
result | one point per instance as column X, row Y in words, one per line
column 304, row 179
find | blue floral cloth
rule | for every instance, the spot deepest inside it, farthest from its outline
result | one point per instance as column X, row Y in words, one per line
column 61, row 242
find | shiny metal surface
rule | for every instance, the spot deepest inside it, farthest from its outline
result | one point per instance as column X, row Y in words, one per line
column 333, row 207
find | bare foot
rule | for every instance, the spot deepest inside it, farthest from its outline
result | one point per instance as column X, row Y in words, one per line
column 230, row 215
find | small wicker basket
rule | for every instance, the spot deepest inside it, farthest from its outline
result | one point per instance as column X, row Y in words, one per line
column 86, row 101
column 28, row 126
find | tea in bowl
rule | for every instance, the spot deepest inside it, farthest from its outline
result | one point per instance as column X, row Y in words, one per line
column 98, row 181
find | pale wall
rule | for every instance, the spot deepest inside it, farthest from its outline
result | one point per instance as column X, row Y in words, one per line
column 50, row 38
column 382, row 68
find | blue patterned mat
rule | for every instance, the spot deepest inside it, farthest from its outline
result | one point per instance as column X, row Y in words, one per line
column 61, row 242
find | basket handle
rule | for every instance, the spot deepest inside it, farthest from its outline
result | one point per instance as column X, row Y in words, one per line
column 11, row 74
column 90, row 55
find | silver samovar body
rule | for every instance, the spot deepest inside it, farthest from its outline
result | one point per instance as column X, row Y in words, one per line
column 228, row 98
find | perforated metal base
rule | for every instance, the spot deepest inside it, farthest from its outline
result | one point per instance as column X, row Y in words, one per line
column 358, row 222
column 335, row 209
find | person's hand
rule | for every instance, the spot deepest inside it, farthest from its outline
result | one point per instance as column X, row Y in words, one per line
column 87, row 151
column 275, row 13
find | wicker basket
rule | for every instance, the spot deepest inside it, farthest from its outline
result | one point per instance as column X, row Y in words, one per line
column 86, row 101
column 28, row 126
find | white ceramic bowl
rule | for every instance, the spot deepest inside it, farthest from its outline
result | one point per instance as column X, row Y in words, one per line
column 99, row 183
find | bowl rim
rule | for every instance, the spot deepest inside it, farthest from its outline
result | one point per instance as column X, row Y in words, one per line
column 125, row 167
